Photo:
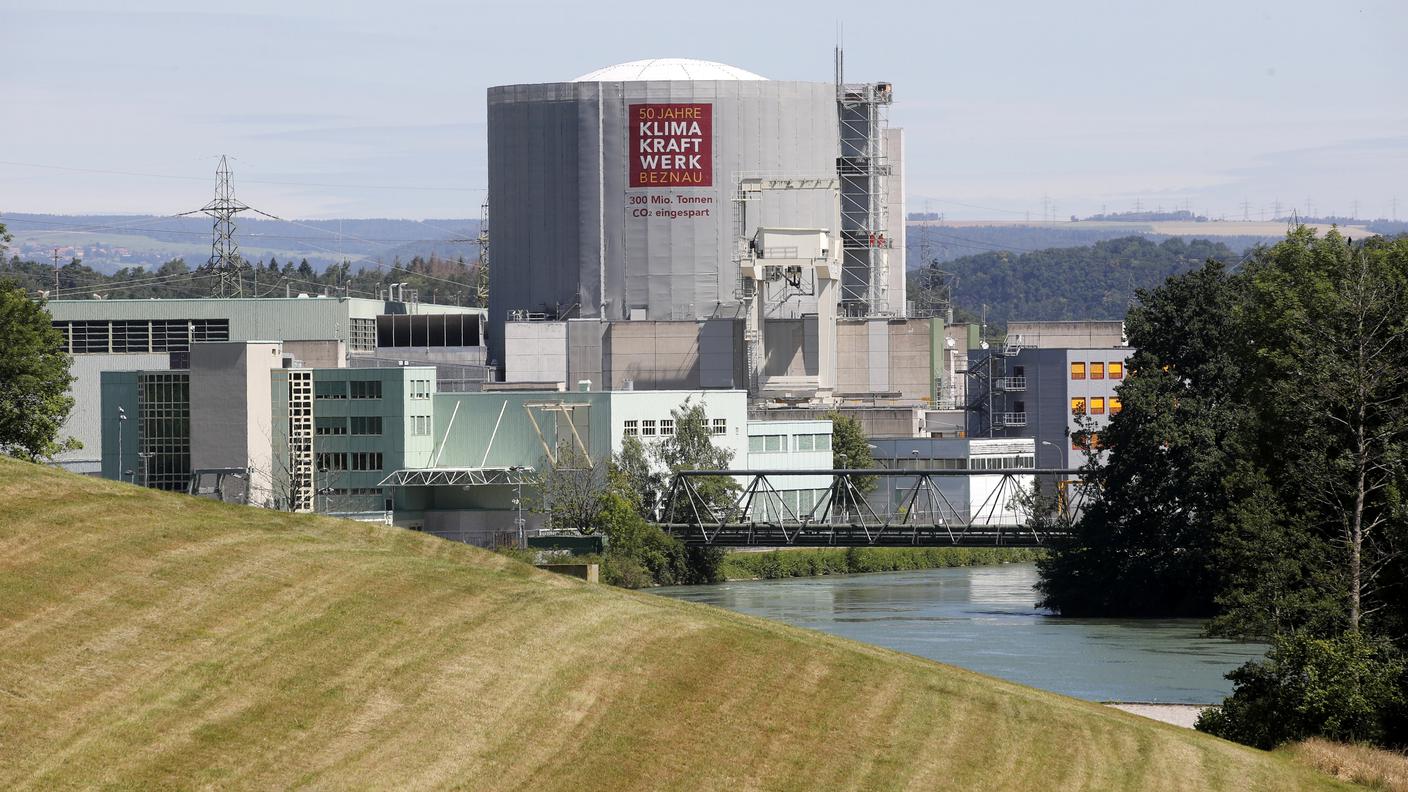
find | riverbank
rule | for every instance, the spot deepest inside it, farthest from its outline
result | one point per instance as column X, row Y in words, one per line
column 819, row 561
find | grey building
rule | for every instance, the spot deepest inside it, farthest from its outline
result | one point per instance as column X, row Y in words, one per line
column 1046, row 393
column 713, row 223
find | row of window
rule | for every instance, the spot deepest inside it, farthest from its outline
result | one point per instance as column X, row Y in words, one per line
column 139, row 335
column 340, row 389
column 359, row 425
column 649, row 427
column 349, row 460
column 368, row 425
column 1002, row 462
column 1097, row 370
column 777, row 443
column 1095, row 405
column 420, row 389
column 354, row 491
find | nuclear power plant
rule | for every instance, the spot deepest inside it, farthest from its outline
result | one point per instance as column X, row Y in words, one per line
column 686, row 224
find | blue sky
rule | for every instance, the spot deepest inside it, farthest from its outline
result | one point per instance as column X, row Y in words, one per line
column 360, row 109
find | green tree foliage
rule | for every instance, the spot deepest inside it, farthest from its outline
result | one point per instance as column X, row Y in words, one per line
column 850, row 449
column 1144, row 548
column 639, row 482
column 1257, row 470
column 1093, row 282
column 1349, row 688
column 34, row 378
column 692, row 447
column 432, row 278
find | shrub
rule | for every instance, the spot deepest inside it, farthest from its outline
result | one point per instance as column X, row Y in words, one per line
column 1349, row 688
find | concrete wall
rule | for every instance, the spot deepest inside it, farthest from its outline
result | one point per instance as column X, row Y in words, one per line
column 883, row 358
column 673, row 355
column 232, row 411
column 874, row 421
column 1063, row 335
column 535, row 352
column 331, row 353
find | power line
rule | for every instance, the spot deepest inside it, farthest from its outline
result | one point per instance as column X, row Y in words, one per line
column 87, row 227
column 425, row 188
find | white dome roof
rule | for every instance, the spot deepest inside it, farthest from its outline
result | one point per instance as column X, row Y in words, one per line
column 668, row 69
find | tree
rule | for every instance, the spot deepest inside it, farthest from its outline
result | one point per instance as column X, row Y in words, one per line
column 1330, row 324
column 850, row 449
column 1349, row 688
column 1145, row 546
column 571, row 490
column 637, row 480
column 692, row 447
column 34, row 379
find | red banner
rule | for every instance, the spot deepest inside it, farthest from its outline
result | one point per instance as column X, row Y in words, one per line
column 672, row 145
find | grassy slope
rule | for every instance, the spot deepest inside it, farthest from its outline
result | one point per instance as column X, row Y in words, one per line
column 149, row 640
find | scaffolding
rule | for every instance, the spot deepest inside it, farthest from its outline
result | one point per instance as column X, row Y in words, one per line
column 864, row 168
column 989, row 386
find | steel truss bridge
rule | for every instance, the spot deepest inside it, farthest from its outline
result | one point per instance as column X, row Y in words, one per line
column 880, row 508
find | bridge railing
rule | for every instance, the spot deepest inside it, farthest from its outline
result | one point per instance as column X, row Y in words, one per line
column 879, row 507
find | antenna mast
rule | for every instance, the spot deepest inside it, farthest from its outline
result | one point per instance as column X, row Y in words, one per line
column 224, row 252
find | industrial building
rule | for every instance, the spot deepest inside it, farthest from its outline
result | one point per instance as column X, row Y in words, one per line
column 1045, row 382
column 686, row 224
column 327, row 332
column 247, row 422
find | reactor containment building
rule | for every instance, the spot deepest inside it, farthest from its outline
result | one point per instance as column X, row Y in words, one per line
column 679, row 223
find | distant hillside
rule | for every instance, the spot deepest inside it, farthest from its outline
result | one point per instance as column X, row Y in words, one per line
column 158, row 641
column 108, row 243
column 938, row 242
column 1093, row 282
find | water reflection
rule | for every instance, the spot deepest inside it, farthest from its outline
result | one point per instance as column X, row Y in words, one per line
column 984, row 619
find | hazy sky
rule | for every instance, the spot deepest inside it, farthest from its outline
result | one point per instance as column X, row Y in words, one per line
column 376, row 109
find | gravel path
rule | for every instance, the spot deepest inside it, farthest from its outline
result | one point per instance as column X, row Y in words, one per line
column 1178, row 714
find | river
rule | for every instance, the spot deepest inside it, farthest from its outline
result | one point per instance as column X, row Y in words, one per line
column 983, row 619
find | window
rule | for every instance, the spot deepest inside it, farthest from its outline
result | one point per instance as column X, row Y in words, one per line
column 366, row 460
column 1116, row 370
column 1097, row 405
column 1097, row 371
column 331, row 426
column 1078, row 406
column 366, row 389
column 667, row 426
column 363, row 335
column 647, row 428
column 420, row 389
column 366, row 424
column 330, row 389
column 420, row 425
column 332, row 461
column 631, row 430
column 1077, row 371
column 806, row 442
column 767, row 444
column 719, row 426
column 1115, row 405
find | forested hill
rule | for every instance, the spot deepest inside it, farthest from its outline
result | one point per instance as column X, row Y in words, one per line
column 1093, row 282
